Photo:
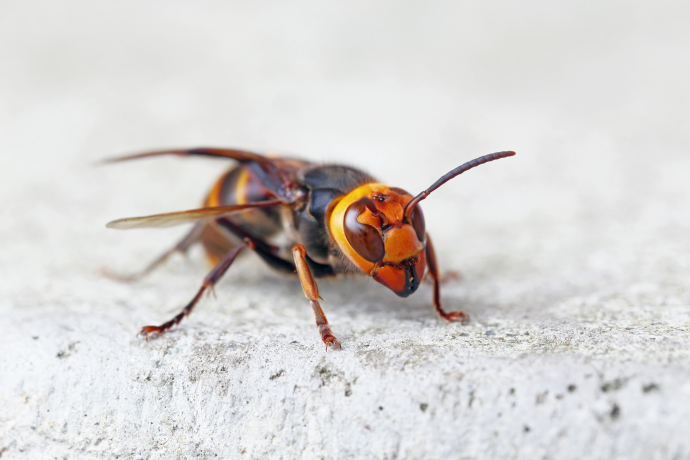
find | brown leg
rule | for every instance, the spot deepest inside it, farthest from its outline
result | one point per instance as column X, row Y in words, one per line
column 216, row 243
column 433, row 272
column 209, row 282
column 311, row 292
column 182, row 246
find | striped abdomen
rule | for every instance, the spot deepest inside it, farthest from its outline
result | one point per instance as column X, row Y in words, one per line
column 238, row 186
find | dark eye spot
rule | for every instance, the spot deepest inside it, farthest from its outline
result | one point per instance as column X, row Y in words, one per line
column 364, row 239
column 418, row 224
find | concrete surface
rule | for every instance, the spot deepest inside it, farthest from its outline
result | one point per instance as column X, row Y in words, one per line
column 574, row 254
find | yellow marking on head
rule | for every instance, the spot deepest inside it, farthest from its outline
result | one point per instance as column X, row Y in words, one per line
column 336, row 223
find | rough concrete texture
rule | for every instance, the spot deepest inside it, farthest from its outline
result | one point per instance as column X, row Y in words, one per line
column 574, row 254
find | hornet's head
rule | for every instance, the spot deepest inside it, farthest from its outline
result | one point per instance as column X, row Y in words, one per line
column 381, row 229
column 370, row 227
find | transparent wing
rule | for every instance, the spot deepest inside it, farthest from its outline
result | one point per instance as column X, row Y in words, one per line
column 182, row 217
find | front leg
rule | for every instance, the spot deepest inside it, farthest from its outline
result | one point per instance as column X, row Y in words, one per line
column 433, row 272
column 311, row 292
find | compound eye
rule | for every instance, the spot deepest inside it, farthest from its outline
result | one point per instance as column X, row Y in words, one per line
column 363, row 238
column 417, row 220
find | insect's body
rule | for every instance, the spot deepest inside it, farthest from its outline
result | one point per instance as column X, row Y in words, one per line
column 282, row 226
column 310, row 220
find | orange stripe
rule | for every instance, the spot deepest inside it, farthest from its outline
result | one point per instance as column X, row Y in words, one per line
column 241, row 189
column 213, row 198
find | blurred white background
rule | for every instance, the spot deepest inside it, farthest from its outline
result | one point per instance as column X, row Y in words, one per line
column 382, row 83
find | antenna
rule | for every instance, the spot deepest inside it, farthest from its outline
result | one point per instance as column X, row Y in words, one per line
column 451, row 174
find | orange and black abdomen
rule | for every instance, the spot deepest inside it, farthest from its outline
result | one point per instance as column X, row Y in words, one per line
column 240, row 186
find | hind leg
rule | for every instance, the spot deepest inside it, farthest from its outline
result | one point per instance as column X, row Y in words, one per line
column 217, row 243
column 182, row 247
column 209, row 282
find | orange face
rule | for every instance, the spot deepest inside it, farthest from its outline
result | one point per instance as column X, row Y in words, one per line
column 371, row 230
